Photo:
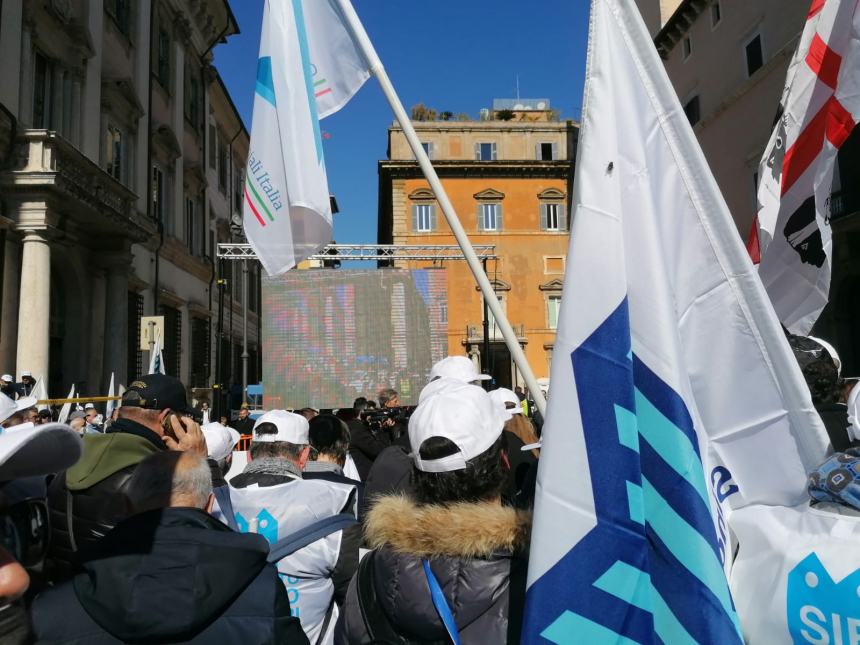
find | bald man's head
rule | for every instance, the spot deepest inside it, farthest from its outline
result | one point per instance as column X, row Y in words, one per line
column 170, row 479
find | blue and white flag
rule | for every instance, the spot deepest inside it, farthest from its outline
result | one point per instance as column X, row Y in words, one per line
column 156, row 358
column 675, row 397
column 308, row 67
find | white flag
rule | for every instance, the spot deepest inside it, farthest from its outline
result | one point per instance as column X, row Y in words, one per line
column 674, row 396
column 110, row 404
column 67, row 407
column 819, row 108
column 156, row 358
column 307, row 66
column 41, row 393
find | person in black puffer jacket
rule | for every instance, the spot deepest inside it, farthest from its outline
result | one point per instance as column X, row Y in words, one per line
column 88, row 500
column 455, row 525
column 171, row 573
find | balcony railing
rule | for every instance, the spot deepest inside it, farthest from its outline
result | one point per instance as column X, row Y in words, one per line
column 844, row 204
column 475, row 333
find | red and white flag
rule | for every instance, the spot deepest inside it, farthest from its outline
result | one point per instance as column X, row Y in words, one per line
column 819, row 108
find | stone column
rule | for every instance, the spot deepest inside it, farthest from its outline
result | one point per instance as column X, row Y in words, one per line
column 116, row 319
column 34, row 307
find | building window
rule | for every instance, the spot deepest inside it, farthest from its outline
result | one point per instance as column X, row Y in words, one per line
column 552, row 217
column 135, row 313
column 428, row 148
column 42, row 73
column 223, row 155
column 172, row 347
column 495, row 331
column 553, row 308
column 213, row 146
column 199, row 352
column 485, row 151
column 553, row 264
column 115, row 153
column 160, row 207
column 686, row 47
column 716, row 14
column 754, row 54
column 238, row 190
column 489, row 217
column 120, row 11
column 424, row 217
column 162, row 61
column 691, row 109
column 547, row 152
column 253, row 286
column 193, row 98
column 191, row 225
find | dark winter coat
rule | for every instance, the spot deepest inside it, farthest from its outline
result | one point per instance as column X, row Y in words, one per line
column 89, row 499
column 391, row 473
column 171, row 576
column 365, row 445
column 476, row 551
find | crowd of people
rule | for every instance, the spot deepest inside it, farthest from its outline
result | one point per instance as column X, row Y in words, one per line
column 375, row 523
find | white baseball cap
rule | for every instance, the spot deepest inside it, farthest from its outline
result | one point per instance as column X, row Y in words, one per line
column 292, row 428
column 220, row 440
column 28, row 451
column 8, row 407
column 459, row 368
column 502, row 397
column 437, row 385
column 8, row 378
column 463, row 414
column 26, row 373
column 89, row 406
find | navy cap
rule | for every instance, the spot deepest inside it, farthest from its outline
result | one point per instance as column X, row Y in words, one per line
column 157, row 392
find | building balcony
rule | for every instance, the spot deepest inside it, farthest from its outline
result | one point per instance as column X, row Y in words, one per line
column 844, row 204
column 47, row 167
column 475, row 334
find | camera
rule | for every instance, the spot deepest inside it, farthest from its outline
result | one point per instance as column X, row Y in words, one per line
column 375, row 418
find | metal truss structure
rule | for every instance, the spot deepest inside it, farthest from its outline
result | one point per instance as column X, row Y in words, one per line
column 371, row 252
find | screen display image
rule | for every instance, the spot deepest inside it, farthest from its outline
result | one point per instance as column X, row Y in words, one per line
column 330, row 336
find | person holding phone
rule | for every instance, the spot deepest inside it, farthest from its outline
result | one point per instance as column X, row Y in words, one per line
column 89, row 499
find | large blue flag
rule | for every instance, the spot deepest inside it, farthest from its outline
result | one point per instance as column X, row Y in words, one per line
column 675, row 398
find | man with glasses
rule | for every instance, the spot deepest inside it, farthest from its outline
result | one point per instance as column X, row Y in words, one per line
column 88, row 500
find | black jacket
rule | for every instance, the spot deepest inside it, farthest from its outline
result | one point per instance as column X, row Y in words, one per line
column 243, row 426
column 390, row 473
column 365, row 445
column 89, row 499
column 477, row 553
column 835, row 419
column 175, row 575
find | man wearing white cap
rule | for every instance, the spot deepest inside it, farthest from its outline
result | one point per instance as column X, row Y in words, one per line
column 25, row 387
column 220, row 442
column 458, row 368
column 7, row 386
column 13, row 413
column 453, row 536
column 303, row 520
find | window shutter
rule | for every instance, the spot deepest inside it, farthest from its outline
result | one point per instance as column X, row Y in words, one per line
column 537, row 151
column 415, row 217
column 430, row 150
column 562, row 217
column 500, row 226
column 477, row 152
column 493, row 153
column 543, row 216
column 480, row 212
column 555, row 156
column 432, row 217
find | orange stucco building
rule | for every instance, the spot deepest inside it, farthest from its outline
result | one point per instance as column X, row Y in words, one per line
column 510, row 182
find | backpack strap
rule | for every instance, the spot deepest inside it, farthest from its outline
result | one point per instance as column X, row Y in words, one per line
column 222, row 496
column 300, row 539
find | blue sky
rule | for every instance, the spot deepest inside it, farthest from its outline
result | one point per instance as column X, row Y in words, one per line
column 455, row 55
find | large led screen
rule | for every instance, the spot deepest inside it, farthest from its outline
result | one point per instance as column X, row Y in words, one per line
column 330, row 335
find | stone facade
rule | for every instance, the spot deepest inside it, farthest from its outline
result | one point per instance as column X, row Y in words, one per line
column 126, row 153
column 728, row 61
column 510, row 183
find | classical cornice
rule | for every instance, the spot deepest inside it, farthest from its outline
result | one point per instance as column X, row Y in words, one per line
column 552, row 193
column 678, row 25
column 553, row 285
column 489, row 194
column 467, row 169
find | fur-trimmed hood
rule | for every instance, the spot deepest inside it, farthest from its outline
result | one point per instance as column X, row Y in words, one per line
column 469, row 530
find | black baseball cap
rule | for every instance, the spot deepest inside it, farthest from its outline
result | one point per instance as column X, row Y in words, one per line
column 157, row 392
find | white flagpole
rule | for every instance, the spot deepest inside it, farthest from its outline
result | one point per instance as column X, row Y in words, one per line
column 110, row 404
column 363, row 41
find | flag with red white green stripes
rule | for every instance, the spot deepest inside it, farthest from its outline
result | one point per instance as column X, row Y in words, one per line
column 819, row 108
column 308, row 68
